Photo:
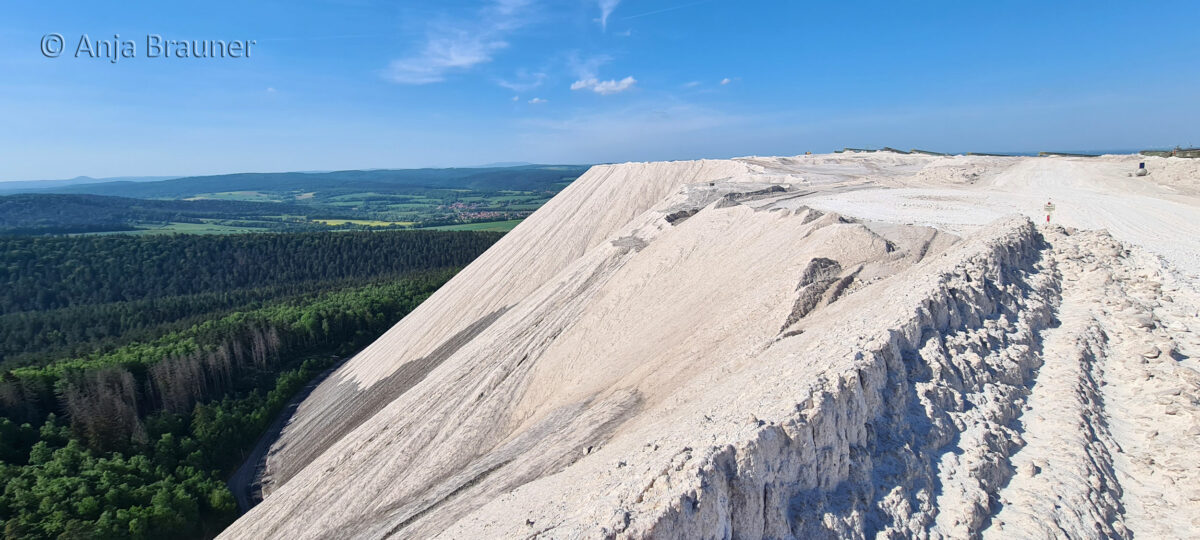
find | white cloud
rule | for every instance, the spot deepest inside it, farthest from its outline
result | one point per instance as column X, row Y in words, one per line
column 537, row 101
column 606, row 9
column 586, row 68
column 691, row 84
column 604, row 87
column 270, row 89
column 460, row 45
column 516, row 98
column 726, row 81
column 586, row 71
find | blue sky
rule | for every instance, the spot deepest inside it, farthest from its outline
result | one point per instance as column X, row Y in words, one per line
column 370, row 84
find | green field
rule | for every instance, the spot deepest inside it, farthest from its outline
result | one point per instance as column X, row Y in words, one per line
column 180, row 228
column 364, row 222
column 250, row 196
column 196, row 228
column 493, row 226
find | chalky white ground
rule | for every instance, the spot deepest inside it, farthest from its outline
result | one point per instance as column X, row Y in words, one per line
column 849, row 345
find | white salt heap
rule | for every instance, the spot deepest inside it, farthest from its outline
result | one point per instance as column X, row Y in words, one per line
column 852, row 345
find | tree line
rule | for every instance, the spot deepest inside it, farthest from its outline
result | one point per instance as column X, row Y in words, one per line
column 169, row 486
column 173, row 415
column 70, row 296
column 138, row 371
column 41, row 273
column 38, row 337
column 104, row 394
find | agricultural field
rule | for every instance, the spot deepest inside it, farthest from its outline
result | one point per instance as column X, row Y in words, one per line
column 206, row 227
column 492, row 226
column 365, row 222
column 489, row 199
column 249, row 196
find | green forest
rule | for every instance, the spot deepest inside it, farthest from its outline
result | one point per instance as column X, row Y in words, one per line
column 136, row 372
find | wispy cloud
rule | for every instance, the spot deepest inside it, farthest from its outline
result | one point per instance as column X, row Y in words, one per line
column 691, row 84
column 606, row 9
column 604, row 87
column 665, row 10
column 524, row 81
column 538, row 101
column 461, row 44
column 586, row 68
column 442, row 55
column 726, row 81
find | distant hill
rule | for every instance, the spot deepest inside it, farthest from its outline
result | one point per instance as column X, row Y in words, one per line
column 488, row 179
column 501, row 164
column 50, row 213
column 24, row 186
column 290, row 201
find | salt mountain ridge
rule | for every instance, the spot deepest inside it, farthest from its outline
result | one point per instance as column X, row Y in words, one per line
column 845, row 345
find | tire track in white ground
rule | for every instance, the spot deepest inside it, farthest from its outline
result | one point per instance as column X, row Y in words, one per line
column 1065, row 483
column 1111, row 427
column 1151, row 395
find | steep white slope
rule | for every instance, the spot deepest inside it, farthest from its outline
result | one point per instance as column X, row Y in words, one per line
column 582, row 216
column 561, row 371
column 690, row 350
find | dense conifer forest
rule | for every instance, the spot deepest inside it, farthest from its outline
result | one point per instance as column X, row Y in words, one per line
column 40, row 273
column 24, row 214
column 136, row 372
